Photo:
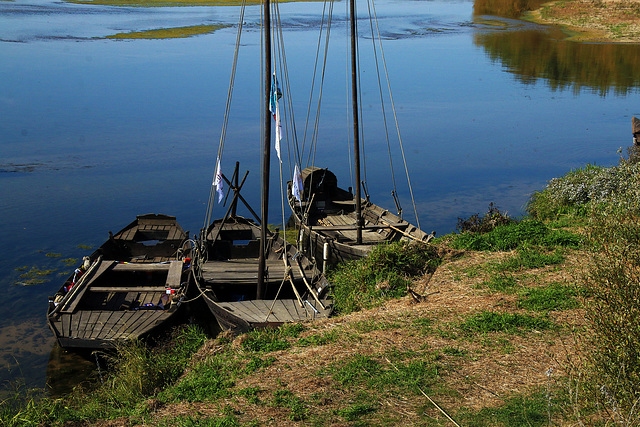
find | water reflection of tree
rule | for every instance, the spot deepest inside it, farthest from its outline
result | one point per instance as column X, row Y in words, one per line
column 505, row 8
column 531, row 55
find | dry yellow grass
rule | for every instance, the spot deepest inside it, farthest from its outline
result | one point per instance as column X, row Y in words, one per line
column 493, row 367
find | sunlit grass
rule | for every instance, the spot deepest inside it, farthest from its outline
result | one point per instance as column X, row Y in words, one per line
column 168, row 33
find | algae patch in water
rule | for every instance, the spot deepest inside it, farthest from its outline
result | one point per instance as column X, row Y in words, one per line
column 168, row 33
column 34, row 276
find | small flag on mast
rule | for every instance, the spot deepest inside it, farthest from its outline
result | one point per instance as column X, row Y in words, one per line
column 276, row 94
column 297, row 184
column 217, row 181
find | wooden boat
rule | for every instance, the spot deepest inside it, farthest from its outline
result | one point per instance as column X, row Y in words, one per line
column 293, row 288
column 131, row 285
column 249, row 276
column 328, row 220
column 335, row 224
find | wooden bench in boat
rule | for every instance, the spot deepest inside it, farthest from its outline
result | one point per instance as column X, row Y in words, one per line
column 173, row 279
column 245, row 271
column 351, row 227
column 127, row 289
column 154, row 226
column 278, row 311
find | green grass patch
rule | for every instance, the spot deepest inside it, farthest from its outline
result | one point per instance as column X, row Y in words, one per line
column 85, row 247
column 251, row 394
column 424, row 323
column 356, row 411
column 518, row 411
column 52, row 255
column 168, row 33
column 205, row 381
column 455, row 351
column 228, row 420
column 388, row 374
column 286, row 399
column 385, row 274
column 267, row 340
column 515, row 235
column 553, row 297
column 529, row 258
column 501, row 283
column 318, row 339
column 490, row 321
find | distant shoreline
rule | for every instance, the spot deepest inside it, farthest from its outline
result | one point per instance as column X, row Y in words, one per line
column 603, row 21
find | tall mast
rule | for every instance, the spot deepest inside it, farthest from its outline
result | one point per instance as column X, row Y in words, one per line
column 266, row 155
column 356, row 132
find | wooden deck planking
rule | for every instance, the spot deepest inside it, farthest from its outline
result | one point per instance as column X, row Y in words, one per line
column 99, row 323
column 174, row 275
column 279, row 313
column 154, row 319
column 258, row 311
column 127, row 234
column 141, row 266
column 74, row 329
column 138, row 318
column 290, row 307
column 66, row 324
column 118, row 330
column 84, row 330
column 150, row 297
column 127, row 290
column 296, row 312
column 254, row 314
column 241, row 271
column 119, row 325
column 175, row 234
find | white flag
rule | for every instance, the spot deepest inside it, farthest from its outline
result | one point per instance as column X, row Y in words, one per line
column 276, row 94
column 297, row 184
column 278, row 131
column 217, row 181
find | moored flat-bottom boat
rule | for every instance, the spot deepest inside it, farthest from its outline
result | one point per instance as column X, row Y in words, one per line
column 327, row 220
column 127, row 288
column 294, row 289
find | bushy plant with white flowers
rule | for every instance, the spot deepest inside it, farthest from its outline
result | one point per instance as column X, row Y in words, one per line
column 582, row 189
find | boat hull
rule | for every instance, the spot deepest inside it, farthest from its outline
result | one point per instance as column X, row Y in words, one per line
column 327, row 222
column 294, row 291
column 127, row 289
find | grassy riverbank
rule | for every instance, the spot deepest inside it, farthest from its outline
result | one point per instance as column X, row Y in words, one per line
column 530, row 322
column 593, row 20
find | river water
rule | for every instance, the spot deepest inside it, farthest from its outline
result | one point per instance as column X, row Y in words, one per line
column 94, row 131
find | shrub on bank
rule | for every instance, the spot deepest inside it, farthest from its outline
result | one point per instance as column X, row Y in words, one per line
column 613, row 308
column 385, row 274
column 609, row 201
column 582, row 189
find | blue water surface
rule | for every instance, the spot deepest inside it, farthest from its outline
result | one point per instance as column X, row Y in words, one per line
column 94, row 131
